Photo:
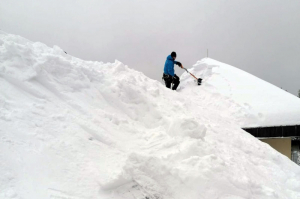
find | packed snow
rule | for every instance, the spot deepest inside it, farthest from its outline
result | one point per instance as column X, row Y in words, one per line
column 84, row 130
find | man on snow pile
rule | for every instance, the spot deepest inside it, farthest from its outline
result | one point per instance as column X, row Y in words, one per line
column 169, row 76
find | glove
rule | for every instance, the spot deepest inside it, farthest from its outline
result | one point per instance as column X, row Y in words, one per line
column 179, row 64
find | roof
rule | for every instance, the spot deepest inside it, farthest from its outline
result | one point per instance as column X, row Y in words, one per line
column 273, row 106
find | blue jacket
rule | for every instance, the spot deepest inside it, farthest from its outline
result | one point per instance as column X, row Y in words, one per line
column 169, row 66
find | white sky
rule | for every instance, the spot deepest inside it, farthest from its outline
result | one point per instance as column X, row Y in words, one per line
column 259, row 36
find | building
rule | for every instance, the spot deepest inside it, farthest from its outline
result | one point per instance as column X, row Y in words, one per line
column 284, row 139
column 271, row 114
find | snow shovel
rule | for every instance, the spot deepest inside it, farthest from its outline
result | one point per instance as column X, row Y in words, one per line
column 199, row 80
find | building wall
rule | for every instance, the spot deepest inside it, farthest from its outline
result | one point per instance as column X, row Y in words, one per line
column 282, row 145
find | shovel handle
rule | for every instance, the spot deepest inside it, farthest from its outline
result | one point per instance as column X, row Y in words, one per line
column 189, row 73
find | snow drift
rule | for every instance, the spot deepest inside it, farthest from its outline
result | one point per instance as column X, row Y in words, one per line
column 81, row 129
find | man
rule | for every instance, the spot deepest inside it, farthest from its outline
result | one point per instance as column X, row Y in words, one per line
column 169, row 76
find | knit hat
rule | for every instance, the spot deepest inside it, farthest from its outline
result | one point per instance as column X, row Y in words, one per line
column 173, row 54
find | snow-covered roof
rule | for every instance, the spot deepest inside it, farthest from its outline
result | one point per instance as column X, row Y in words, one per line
column 71, row 128
column 273, row 106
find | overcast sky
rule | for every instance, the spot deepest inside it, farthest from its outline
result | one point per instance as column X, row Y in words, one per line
column 259, row 36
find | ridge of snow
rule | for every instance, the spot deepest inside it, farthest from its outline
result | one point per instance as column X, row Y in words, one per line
column 80, row 129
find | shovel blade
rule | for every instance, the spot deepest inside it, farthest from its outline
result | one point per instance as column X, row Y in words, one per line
column 199, row 81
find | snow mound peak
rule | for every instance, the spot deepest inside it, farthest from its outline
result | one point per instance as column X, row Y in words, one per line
column 265, row 104
column 81, row 129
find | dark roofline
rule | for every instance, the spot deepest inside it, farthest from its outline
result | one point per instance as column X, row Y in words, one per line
column 252, row 127
column 275, row 131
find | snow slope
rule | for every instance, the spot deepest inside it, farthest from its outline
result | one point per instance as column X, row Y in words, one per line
column 79, row 129
column 271, row 105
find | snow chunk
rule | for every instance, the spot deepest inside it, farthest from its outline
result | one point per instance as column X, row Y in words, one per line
column 187, row 127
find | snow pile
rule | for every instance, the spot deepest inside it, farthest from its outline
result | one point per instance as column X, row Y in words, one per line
column 271, row 105
column 80, row 129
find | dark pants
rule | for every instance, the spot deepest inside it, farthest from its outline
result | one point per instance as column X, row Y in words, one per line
column 171, row 80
